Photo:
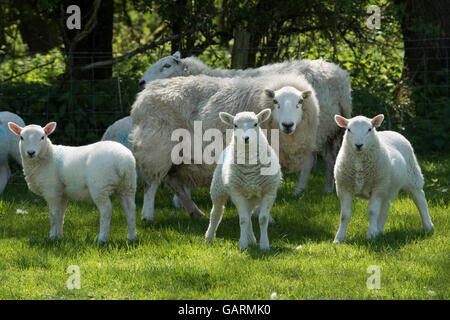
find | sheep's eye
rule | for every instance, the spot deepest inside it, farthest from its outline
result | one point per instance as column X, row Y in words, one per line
column 348, row 130
column 300, row 101
column 275, row 101
column 167, row 65
column 42, row 138
column 370, row 129
column 255, row 124
column 235, row 125
column 21, row 138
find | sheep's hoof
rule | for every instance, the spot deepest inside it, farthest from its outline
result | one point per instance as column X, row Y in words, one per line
column 197, row 213
column 337, row 241
column 297, row 192
column 146, row 220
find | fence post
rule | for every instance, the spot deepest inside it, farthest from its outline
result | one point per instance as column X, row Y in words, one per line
column 239, row 55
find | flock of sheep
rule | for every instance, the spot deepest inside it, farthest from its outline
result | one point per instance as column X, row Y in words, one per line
column 280, row 117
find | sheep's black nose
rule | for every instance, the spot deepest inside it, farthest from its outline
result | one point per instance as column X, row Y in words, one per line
column 141, row 84
column 31, row 153
column 246, row 139
column 358, row 146
column 288, row 125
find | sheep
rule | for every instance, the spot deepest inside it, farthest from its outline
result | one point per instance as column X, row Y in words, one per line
column 9, row 146
column 61, row 173
column 166, row 107
column 119, row 132
column 330, row 82
column 376, row 166
column 251, row 182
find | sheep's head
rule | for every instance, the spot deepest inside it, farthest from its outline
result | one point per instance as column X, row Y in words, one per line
column 360, row 131
column 246, row 125
column 167, row 67
column 33, row 138
column 288, row 107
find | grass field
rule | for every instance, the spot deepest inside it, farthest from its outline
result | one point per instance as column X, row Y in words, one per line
column 171, row 261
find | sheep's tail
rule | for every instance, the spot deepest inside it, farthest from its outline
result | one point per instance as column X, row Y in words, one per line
column 126, row 170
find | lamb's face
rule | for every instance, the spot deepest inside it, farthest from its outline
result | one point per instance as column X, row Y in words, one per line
column 32, row 138
column 167, row 67
column 360, row 133
column 288, row 107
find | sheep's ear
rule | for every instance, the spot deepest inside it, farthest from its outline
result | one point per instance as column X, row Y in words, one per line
column 226, row 118
column 177, row 57
column 49, row 128
column 341, row 121
column 377, row 120
column 269, row 93
column 306, row 94
column 264, row 115
column 15, row 128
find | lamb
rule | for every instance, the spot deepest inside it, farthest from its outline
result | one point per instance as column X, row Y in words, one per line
column 167, row 107
column 249, row 173
column 9, row 146
column 376, row 166
column 119, row 132
column 330, row 82
column 59, row 173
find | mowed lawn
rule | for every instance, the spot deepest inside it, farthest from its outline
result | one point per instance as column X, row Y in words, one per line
column 171, row 261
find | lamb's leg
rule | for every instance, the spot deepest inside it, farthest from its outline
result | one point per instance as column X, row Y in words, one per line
column 382, row 218
column 250, row 233
column 4, row 176
column 176, row 202
column 241, row 204
column 304, row 175
column 255, row 213
column 346, row 200
column 218, row 201
column 178, row 189
column 266, row 206
column 418, row 196
column 129, row 206
column 148, row 208
column 373, row 211
column 57, row 209
column 103, row 204
column 329, row 156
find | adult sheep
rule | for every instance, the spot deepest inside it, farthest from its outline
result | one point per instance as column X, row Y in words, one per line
column 119, row 131
column 9, row 146
column 166, row 105
column 330, row 82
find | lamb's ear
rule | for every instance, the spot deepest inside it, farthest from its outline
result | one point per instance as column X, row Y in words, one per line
column 306, row 94
column 264, row 115
column 177, row 57
column 15, row 128
column 377, row 120
column 226, row 118
column 269, row 93
column 49, row 128
column 341, row 121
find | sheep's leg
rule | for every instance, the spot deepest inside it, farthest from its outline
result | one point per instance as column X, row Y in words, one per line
column 178, row 189
column 176, row 202
column 241, row 204
column 255, row 213
column 4, row 176
column 373, row 211
column 346, row 200
column 250, row 234
column 218, row 201
column 148, row 208
column 329, row 155
column 129, row 206
column 304, row 174
column 57, row 208
column 382, row 218
column 264, row 216
column 103, row 204
column 418, row 196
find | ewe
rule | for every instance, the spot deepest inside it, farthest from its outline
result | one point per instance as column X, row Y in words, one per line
column 119, row 132
column 249, row 173
column 330, row 82
column 169, row 106
column 9, row 146
column 59, row 173
column 376, row 166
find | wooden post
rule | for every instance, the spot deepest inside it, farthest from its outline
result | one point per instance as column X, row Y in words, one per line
column 239, row 55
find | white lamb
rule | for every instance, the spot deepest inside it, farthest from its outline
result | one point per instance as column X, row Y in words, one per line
column 330, row 82
column 167, row 105
column 249, row 173
column 119, row 132
column 376, row 166
column 59, row 173
column 9, row 146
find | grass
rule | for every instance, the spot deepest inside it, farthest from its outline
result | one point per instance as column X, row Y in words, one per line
column 171, row 261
